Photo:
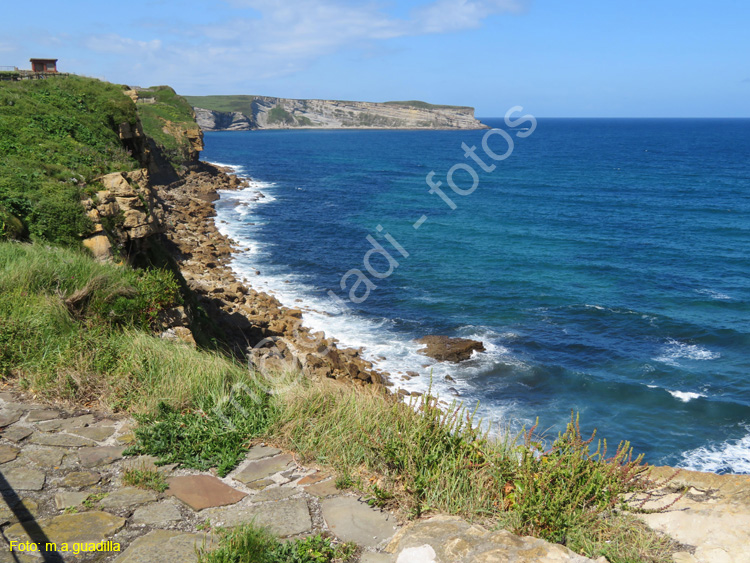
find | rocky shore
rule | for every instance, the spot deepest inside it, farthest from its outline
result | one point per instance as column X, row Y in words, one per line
column 259, row 327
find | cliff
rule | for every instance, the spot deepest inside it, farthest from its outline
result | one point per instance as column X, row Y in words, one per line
column 242, row 113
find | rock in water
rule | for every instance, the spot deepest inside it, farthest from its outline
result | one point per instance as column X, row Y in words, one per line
column 447, row 349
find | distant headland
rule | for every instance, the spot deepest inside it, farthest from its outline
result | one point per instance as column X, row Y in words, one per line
column 243, row 113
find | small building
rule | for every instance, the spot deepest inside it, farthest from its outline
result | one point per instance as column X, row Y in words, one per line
column 43, row 65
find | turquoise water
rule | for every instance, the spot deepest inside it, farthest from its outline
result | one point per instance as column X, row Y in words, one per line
column 605, row 264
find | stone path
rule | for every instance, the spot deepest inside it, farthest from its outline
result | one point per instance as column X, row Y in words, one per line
column 61, row 480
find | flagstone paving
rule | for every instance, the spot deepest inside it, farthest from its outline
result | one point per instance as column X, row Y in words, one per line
column 61, row 479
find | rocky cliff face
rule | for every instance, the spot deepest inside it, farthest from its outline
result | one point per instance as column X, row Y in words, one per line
column 283, row 113
column 210, row 120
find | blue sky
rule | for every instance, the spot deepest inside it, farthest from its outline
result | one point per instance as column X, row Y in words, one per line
column 569, row 59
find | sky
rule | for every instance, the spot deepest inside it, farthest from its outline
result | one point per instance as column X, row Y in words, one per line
column 583, row 58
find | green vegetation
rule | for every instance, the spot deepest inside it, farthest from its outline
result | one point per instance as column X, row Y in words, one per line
column 168, row 119
column 145, row 478
column 242, row 104
column 250, row 544
column 77, row 330
column 215, row 434
column 425, row 105
column 56, row 136
column 279, row 115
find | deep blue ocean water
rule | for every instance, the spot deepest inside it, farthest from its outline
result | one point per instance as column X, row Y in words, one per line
column 605, row 264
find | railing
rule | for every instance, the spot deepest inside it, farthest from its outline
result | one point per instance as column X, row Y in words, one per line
column 30, row 75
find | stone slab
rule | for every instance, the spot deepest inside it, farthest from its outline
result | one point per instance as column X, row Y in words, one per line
column 322, row 490
column 157, row 514
column 98, row 456
column 97, row 433
column 127, row 497
column 8, row 453
column 264, row 468
column 259, row 452
column 9, row 416
column 65, row 499
column 261, row 484
column 71, row 528
column 38, row 415
column 46, row 457
column 13, row 509
column 203, row 491
column 61, row 440
column 284, row 518
column 312, row 479
column 160, row 546
column 375, row 558
column 66, row 423
column 353, row 520
column 274, row 494
column 80, row 479
column 20, row 478
column 16, row 433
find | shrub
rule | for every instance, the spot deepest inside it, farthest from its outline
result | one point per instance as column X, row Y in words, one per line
column 251, row 544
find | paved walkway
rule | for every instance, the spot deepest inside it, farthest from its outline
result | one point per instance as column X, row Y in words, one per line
column 61, row 480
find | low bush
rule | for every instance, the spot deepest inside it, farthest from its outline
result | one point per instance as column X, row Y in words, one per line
column 251, row 544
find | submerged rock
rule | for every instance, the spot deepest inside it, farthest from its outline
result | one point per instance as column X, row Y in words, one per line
column 447, row 349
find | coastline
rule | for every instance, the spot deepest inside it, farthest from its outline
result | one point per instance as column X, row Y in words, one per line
column 274, row 334
column 398, row 357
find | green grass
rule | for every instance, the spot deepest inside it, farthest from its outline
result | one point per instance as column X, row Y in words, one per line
column 71, row 328
column 145, row 478
column 212, row 434
column 251, row 544
column 167, row 121
column 56, row 136
column 279, row 115
column 425, row 105
column 240, row 103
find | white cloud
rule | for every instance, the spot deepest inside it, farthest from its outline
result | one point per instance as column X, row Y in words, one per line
column 268, row 38
column 444, row 16
column 113, row 43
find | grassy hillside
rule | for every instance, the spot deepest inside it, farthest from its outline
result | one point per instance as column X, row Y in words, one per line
column 243, row 104
column 56, row 136
column 240, row 103
column 425, row 105
column 168, row 119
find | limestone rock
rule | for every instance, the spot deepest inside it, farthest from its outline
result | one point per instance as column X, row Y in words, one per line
column 129, row 496
column 163, row 546
column 447, row 349
column 203, row 491
column 156, row 514
column 353, row 520
column 71, row 528
column 21, row 478
column 453, row 539
column 263, row 468
column 285, row 518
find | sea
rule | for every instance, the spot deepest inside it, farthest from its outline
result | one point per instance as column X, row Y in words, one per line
column 603, row 263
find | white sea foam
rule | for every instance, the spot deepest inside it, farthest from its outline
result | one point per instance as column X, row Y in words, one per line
column 717, row 295
column 674, row 350
column 388, row 349
column 236, row 168
column 685, row 396
column 732, row 456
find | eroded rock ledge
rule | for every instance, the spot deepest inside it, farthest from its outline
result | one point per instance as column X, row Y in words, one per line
column 275, row 335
